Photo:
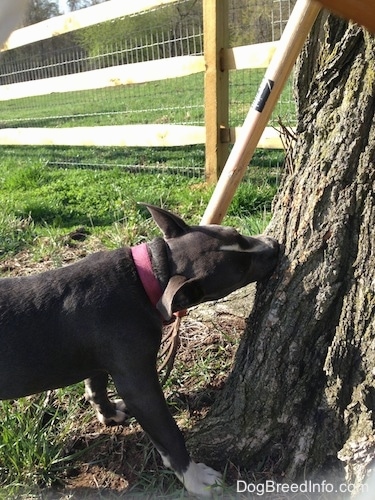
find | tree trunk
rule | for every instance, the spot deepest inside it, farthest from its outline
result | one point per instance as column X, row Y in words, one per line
column 300, row 401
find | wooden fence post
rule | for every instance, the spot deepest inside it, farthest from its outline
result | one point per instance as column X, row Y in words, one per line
column 216, row 98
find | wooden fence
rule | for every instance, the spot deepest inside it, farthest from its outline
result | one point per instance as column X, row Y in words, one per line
column 216, row 63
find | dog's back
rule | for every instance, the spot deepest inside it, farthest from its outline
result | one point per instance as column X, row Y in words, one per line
column 52, row 325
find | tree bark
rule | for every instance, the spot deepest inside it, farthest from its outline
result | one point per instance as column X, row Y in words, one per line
column 301, row 398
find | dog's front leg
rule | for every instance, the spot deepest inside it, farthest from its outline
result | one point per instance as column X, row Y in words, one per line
column 107, row 412
column 144, row 399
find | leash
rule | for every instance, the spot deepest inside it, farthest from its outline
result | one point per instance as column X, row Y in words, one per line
column 170, row 344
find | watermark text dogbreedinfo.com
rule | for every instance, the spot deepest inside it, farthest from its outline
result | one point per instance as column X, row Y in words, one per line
column 270, row 486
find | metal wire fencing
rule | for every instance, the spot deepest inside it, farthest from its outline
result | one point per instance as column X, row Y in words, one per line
column 166, row 32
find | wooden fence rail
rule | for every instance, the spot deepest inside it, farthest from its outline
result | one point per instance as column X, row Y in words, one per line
column 218, row 60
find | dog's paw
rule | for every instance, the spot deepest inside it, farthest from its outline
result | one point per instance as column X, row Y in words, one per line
column 201, row 480
column 118, row 417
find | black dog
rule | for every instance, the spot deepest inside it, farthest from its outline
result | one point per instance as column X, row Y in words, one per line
column 104, row 315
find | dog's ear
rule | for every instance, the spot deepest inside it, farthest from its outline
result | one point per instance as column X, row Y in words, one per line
column 179, row 294
column 171, row 225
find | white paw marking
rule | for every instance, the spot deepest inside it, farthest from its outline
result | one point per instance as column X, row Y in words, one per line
column 119, row 418
column 120, row 408
column 199, row 479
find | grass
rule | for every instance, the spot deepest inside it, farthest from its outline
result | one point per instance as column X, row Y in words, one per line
column 50, row 444
column 32, row 436
column 121, row 105
column 47, row 440
column 38, row 200
column 177, row 100
column 40, row 206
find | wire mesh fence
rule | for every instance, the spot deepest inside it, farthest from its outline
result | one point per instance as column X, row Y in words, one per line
column 169, row 31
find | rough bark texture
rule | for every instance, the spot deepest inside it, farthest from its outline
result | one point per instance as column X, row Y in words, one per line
column 301, row 398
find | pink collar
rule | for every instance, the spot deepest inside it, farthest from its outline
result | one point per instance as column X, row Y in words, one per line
column 143, row 265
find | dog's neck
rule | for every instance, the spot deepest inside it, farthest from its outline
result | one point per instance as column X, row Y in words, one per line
column 152, row 262
column 143, row 265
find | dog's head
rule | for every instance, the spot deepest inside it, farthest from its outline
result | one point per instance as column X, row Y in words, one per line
column 209, row 262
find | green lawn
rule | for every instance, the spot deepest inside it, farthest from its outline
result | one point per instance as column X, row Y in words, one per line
column 42, row 444
column 56, row 188
column 178, row 101
column 38, row 199
column 48, row 192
